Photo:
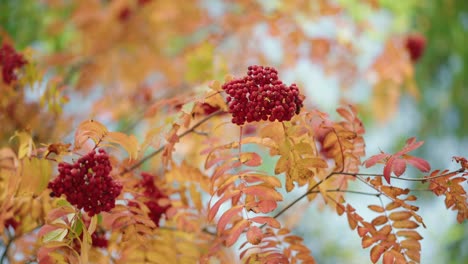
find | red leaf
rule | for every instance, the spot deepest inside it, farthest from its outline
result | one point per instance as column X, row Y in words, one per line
column 399, row 167
column 388, row 169
column 374, row 159
column 411, row 145
column 419, row 163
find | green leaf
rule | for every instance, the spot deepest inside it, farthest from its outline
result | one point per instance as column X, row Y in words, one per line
column 56, row 235
column 77, row 228
column 63, row 202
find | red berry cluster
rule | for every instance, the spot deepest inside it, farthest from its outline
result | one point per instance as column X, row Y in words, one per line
column 99, row 240
column 262, row 96
column 9, row 61
column 154, row 195
column 415, row 44
column 87, row 183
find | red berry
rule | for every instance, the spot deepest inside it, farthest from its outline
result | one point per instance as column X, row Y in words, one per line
column 80, row 182
column 154, row 195
column 9, row 61
column 415, row 44
column 261, row 96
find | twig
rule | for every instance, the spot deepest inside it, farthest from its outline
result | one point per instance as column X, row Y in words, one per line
column 312, row 189
column 160, row 149
column 406, row 179
column 350, row 191
column 7, row 247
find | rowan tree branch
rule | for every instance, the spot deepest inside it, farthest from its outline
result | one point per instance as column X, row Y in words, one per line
column 312, row 189
column 160, row 149
column 7, row 247
column 406, row 179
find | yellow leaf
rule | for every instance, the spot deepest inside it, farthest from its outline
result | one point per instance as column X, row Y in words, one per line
column 129, row 143
column 26, row 144
column 93, row 224
column 35, row 174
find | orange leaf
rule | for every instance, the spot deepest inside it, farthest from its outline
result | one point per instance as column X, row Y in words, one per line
column 263, row 192
column 376, row 252
column 254, row 235
column 293, row 239
column 388, row 258
column 367, row 241
column 399, row 258
column 227, row 216
column 410, row 234
column 312, row 163
column 59, row 212
column 351, row 221
column 89, row 130
column 385, row 230
column 214, row 209
column 266, row 220
column 414, row 255
column 340, row 209
column 345, row 114
column 266, row 206
column 236, row 231
column 400, row 215
column 411, row 244
column 129, row 143
column 251, row 159
column 362, row 231
column 405, row 224
column 271, row 180
column 376, row 208
column 380, row 220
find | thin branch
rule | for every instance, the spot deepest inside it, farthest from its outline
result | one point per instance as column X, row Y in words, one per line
column 311, row 190
column 350, row 191
column 7, row 247
column 406, row 179
column 160, row 149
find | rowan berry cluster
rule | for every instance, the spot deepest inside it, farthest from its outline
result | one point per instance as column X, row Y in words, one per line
column 87, row 183
column 154, row 195
column 99, row 240
column 415, row 44
column 261, row 95
column 9, row 61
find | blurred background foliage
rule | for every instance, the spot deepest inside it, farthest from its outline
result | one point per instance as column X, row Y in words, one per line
column 440, row 73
